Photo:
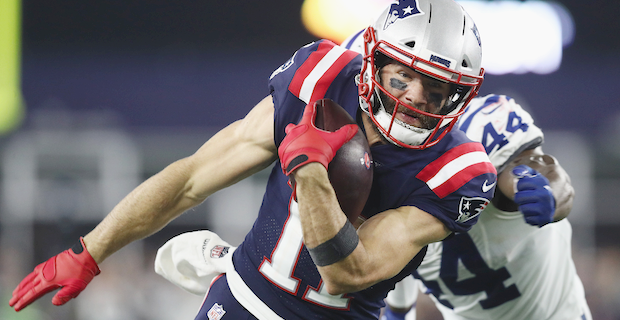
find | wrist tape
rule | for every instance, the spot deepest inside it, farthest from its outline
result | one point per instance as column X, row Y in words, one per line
column 336, row 248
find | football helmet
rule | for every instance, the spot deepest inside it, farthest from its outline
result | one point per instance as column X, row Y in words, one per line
column 436, row 38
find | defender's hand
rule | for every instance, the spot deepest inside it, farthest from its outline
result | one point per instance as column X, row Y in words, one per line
column 534, row 196
column 305, row 143
column 70, row 270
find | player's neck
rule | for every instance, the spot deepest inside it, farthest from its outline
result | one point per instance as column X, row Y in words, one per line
column 372, row 133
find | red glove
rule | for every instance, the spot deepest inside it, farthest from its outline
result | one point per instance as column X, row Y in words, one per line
column 70, row 270
column 305, row 143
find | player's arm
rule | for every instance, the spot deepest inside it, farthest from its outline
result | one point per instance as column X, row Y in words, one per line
column 348, row 261
column 387, row 241
column 236, row 152
column 558, row 180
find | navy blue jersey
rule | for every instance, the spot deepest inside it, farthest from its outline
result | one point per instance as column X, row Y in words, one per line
column 444, row 180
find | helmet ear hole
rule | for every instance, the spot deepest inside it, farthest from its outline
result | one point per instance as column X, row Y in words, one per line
column 410, row 44
column 464, row 64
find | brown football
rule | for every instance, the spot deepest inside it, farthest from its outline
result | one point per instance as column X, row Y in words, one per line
column 351, row 170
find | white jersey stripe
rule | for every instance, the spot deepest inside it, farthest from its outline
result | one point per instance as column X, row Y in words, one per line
column 455, row 166
column 307, row 88
column 246, row 297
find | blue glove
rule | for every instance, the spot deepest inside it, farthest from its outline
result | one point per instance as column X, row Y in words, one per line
column 534, row 196
column 389, row 314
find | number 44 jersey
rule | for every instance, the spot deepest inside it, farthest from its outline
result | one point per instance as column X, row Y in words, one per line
column 504, row 268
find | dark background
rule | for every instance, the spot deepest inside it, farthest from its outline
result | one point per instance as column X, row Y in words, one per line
column 197, row 63
column 203, row 64
column 159, row 69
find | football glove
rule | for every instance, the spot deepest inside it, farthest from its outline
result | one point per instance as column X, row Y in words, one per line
column 534, row 196
column 70, row 270
column 305, row 143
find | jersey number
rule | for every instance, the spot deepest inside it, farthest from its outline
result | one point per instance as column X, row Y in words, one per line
column 462, row 248
column 491, row 138
column 280, row 268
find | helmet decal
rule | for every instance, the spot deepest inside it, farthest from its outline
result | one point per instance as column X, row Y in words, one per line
column 401, row 9
column 476, row 34
column 440, row 60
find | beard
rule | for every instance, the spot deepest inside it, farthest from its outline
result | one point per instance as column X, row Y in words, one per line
column 389, row 104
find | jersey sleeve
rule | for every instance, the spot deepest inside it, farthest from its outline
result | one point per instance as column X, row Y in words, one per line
column 318, row 70
column 503, row 127
column 460, row 184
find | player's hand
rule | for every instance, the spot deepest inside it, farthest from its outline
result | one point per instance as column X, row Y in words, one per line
column 305, row 143
column 70, row 270
column 534, row 196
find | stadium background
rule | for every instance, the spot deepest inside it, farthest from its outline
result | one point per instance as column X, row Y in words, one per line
column 114, row 91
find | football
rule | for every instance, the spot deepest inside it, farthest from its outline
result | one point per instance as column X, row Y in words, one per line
column 351, row 170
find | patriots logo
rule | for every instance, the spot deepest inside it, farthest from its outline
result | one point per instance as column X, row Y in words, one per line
column 470, row 208
column 401, row 9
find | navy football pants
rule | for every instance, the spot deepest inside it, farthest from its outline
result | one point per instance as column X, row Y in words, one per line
column 221, row 304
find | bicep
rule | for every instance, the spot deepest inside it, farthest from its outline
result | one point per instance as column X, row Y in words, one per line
column 234, row 153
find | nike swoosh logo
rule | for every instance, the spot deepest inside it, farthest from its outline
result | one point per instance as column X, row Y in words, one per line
column 486, row 188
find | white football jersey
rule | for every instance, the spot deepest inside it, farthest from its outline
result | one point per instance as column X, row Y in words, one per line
column 504, row 268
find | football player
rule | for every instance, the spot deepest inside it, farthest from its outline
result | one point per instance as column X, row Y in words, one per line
column 508, row 266
column 516, row 262
column 303, row 259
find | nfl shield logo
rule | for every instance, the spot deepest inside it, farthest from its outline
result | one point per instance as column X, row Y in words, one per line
column 216, row 312
column 219, row 251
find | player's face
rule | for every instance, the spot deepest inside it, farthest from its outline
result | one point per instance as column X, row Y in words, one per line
column 414, row 89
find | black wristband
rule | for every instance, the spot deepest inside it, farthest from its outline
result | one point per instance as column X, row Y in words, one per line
column 336, row 248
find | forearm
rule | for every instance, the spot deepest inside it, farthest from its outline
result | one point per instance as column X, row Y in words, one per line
column 320, row 212
column 146, row 210
column 236, row 152
column 377, row 256
column 563, row 191
column 321, row 219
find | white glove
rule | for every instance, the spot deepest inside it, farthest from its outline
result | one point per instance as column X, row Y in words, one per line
column 191, row 260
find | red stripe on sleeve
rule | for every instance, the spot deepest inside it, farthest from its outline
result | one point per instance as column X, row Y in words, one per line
column 432, row 168
column 304, row 70
column 326, row 80
column 462, row 177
